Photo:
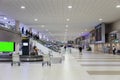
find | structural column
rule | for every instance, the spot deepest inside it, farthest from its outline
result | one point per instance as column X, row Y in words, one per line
column 17, row 47
column 17, row 25
column 17, row 28
column 30, row 29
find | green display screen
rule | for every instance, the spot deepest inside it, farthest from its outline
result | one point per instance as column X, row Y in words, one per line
column 7, row 46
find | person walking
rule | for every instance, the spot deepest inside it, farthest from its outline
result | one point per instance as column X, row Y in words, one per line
column 80, row 50
column 65, row 47
column 114, row 50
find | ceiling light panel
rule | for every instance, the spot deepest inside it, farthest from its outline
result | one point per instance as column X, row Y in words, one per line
column 22, row 7
column 68, row 19
column 118, row 6
column 69, row 7
column 35, row 19
column 5, row 18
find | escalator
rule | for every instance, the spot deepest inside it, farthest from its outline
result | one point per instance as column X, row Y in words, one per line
column 48, row 45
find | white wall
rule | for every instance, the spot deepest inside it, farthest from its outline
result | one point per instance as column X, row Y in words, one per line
column 9, row 35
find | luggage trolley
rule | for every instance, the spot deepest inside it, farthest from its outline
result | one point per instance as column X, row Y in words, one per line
column 46, row 59
column 15, row 59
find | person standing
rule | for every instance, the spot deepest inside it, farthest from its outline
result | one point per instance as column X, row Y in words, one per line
column 36, row 50
column 80, row 49
column 65, row 47
column 22, row 30
column 114, row 50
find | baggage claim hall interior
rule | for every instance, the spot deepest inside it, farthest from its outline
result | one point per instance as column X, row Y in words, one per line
column 59, row 39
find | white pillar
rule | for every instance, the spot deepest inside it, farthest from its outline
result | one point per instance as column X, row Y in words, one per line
column 17, row 47
column 17, row 28
column 30, row 30
column 17, row 25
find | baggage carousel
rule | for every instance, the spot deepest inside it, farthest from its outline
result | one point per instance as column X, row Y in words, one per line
column 23, row 58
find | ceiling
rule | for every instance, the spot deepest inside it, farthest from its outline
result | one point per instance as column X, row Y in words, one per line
column 84, row 14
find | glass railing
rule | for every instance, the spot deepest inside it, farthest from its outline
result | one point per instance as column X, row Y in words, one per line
column 45, row 43
column 7, row 26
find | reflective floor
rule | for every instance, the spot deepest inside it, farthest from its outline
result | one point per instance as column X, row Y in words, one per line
column 88, row 66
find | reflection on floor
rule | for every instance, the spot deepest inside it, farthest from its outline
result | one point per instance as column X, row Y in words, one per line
column 100, row 66
column 89, row 66
column 104, row 72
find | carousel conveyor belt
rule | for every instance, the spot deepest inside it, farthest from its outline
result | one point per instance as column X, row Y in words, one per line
column 23, row 58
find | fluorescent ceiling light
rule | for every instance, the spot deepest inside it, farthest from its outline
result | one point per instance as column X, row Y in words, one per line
column 35, row 19
column 22, row 7
column 69, row 7
column 68, row 19
column 100, row 19
column 118, row 6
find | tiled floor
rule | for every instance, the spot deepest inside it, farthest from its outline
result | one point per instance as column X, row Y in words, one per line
column 75, row 67
column 100, row 66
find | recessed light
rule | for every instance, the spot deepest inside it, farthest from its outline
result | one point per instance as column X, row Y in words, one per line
column 42, row 26
column 66, row 26
column 118, row 6
column 5, row 18
column 35, row 19
column 22, row 7
column 100, row 19
column 68, row 19
column 69, row 7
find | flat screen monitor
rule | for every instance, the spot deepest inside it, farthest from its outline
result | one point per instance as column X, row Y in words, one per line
column 7, row 46
column 100, row 33
column 25, row 44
